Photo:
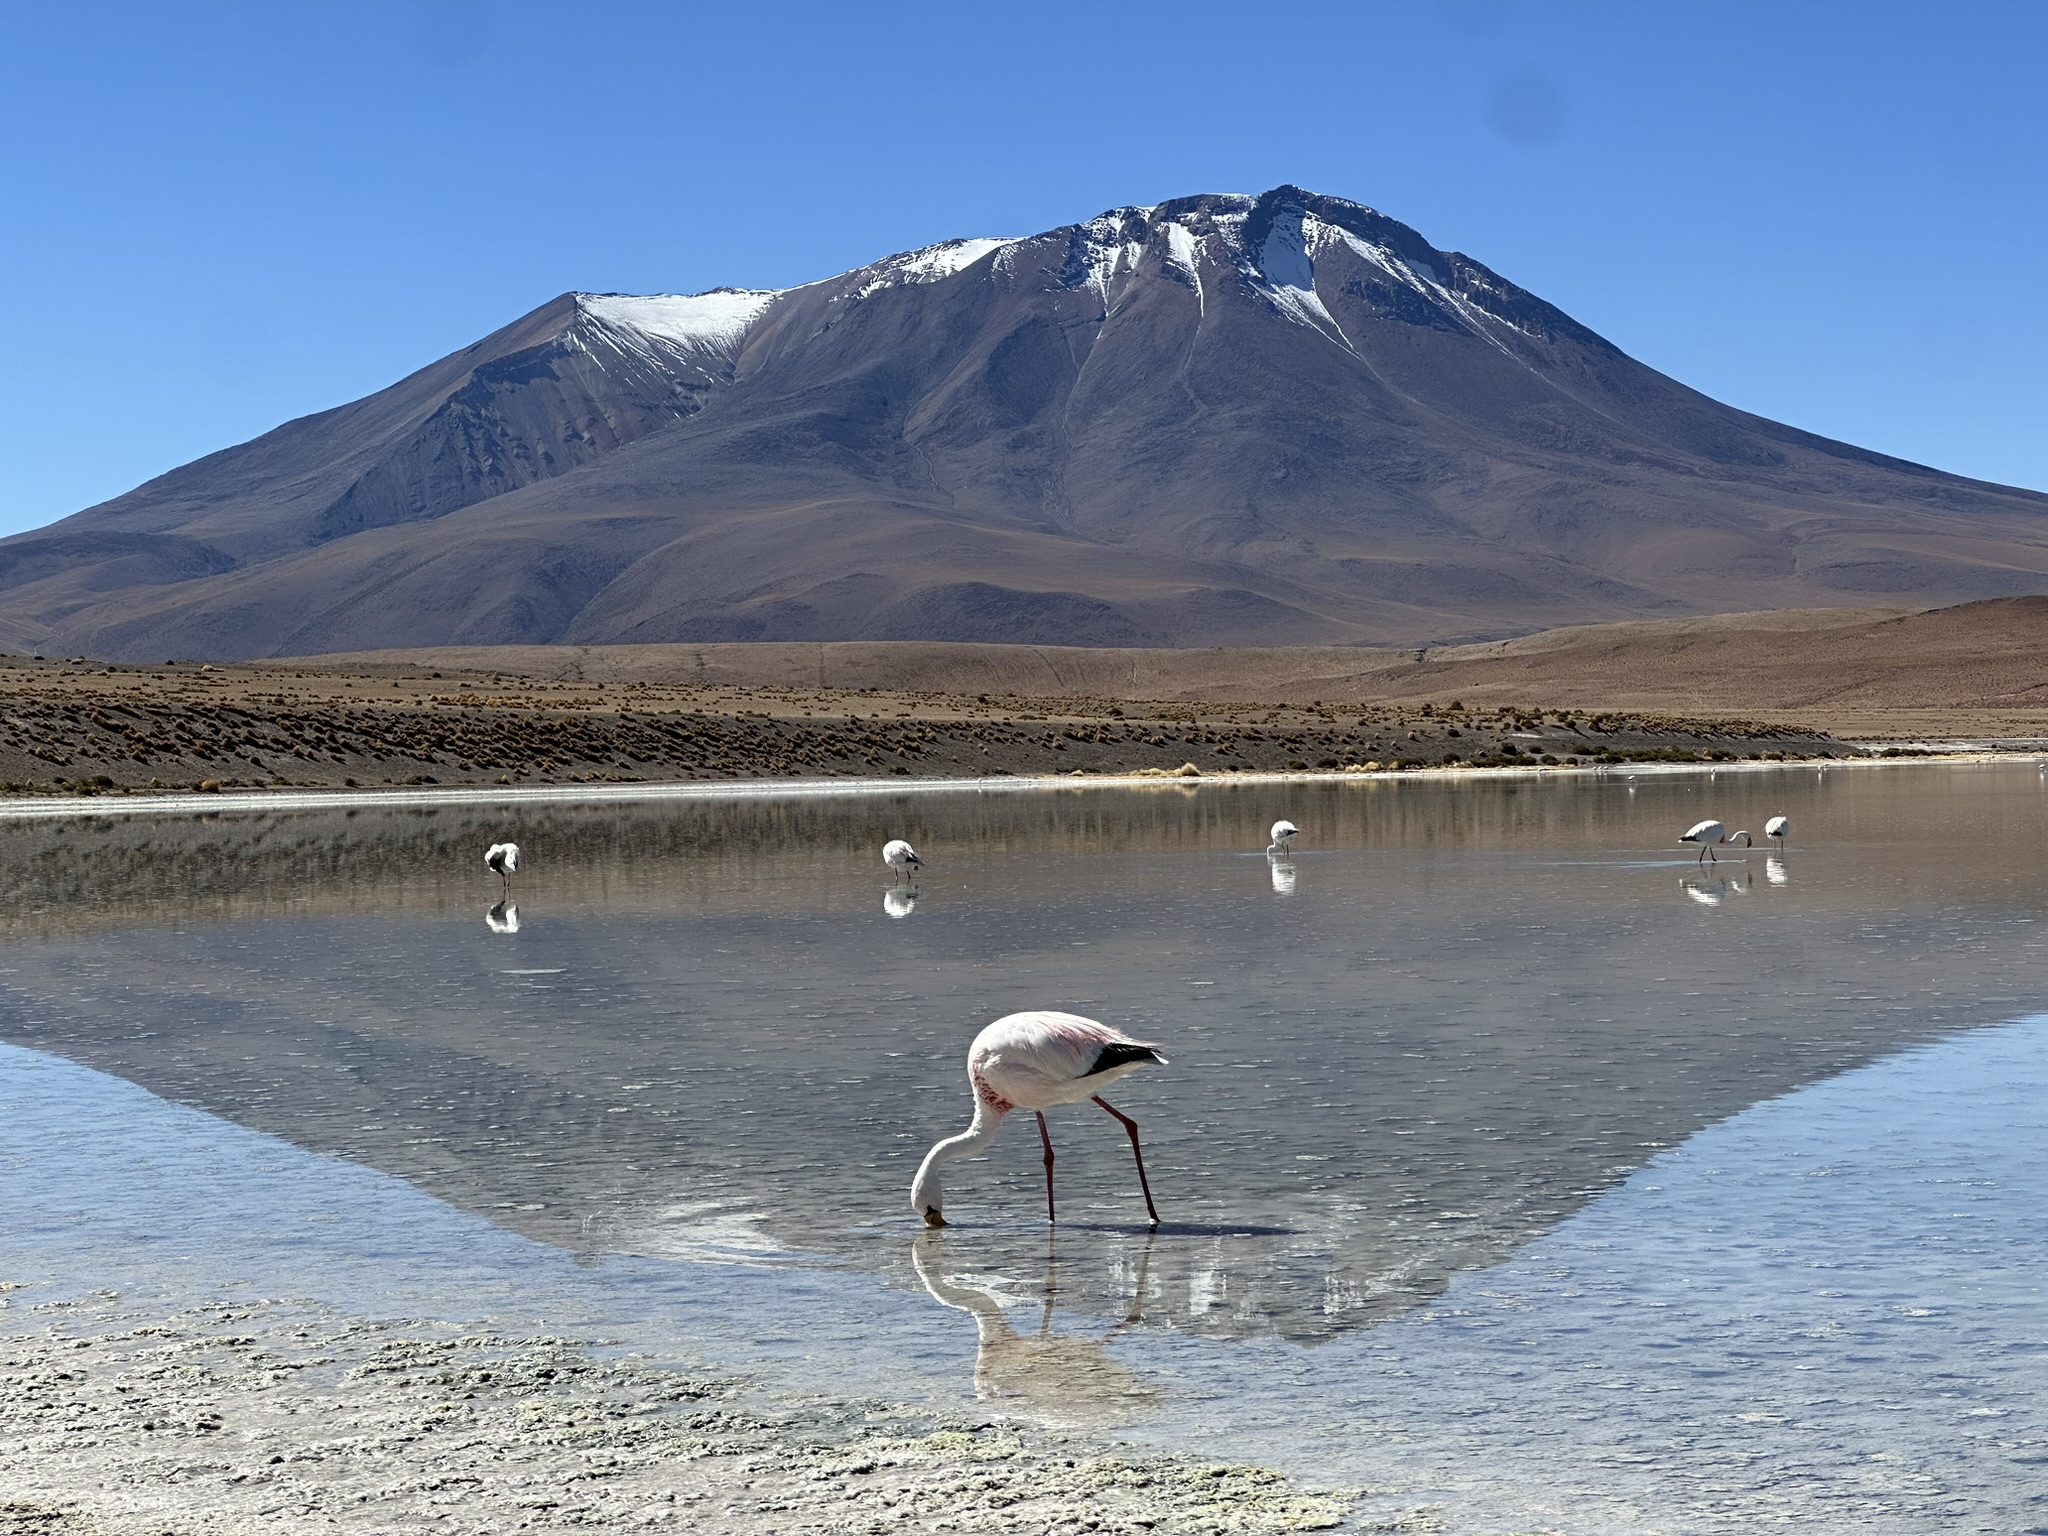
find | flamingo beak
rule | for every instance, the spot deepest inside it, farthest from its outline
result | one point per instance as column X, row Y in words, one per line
column 932, row 1218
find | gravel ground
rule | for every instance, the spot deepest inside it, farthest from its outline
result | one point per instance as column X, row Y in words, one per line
column 118, row 1419
column 77, row 728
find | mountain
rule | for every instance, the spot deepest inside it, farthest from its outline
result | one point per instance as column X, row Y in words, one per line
column 1223, row 420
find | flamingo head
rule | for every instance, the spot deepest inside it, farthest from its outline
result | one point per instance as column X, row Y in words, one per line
column 925, row 1197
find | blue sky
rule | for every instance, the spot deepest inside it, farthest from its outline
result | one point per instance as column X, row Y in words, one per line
column 222, row 216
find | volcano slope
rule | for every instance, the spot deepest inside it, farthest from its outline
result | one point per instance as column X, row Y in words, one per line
column 1220, row 420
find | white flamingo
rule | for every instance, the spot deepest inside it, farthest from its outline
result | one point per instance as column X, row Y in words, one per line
column 1283, row 833
column 901, row 857
column 502, row 859
column 1034, row 1061
column 1710, row 833
column 1779, row 827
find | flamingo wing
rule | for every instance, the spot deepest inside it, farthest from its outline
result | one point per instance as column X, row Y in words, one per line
column 1038, row 1059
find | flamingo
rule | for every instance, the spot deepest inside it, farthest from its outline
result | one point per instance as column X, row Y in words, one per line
column 1034, row 1061
column 503, row 859
column 1708, row 833
column 900, row 856
column 1778, row 827
column 1283, row 833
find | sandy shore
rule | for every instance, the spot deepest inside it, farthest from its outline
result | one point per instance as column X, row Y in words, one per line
column 122, row 1419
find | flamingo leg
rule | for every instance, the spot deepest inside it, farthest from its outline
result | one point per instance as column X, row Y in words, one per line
column 1131, row 1126
column 1046, row 1136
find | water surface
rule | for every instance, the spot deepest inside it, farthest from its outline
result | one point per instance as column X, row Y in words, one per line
column 1499, row 1133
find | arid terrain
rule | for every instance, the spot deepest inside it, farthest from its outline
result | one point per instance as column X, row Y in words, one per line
column 1969, row 670
column 1799, row 683
column 72, row 728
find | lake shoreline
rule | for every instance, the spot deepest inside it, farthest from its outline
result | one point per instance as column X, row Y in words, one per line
column 222, row 1415
column 16, row 807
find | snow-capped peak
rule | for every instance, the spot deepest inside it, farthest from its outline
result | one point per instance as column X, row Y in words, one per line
column 715, row 322
column 926, row 265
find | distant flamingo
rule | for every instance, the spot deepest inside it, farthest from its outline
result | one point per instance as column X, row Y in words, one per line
column 1779, row 827
column 1283, row 833
column 1034, row 1061
column 502, row 859
column 1709, row 833
column 901, row 857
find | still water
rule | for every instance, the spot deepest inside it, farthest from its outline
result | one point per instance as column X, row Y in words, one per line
column 1512, row 1164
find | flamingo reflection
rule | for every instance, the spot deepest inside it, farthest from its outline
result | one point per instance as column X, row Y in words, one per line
column 1776, row 872
column 1711, row 890
column 1283, row 876
column 503, row 918
column 1059, row 1378
column 900, row 900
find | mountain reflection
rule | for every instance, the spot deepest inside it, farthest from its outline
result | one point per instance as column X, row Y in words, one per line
column 1434, row 1050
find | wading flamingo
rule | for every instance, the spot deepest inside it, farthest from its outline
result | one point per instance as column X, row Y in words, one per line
column 1778, row 827
column 1034, row 1061
column 1283, row 833
column 901, row 857
column 502, row 859
column 1707, row 834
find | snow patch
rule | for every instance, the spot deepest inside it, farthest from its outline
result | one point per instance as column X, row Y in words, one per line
column 928, row 265
column 1183, row 250
column 1286, row 263
column 716, row 322
column 1100, row 250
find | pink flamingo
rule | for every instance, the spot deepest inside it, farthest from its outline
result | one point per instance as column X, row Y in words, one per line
column 1034, row 1061
column 1708, row 834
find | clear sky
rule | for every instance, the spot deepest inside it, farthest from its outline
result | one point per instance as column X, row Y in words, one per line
column 217, row 216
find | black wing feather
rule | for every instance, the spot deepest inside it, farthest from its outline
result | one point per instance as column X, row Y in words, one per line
column 1118, row 1055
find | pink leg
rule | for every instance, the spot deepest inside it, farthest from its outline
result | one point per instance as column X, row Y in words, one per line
column 1132, row 1126
column 1046, row 1136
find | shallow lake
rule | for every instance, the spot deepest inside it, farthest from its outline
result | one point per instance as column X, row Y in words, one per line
column 1512, row 1163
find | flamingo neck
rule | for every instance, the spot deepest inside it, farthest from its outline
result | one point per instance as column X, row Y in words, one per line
column 925, row 1193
